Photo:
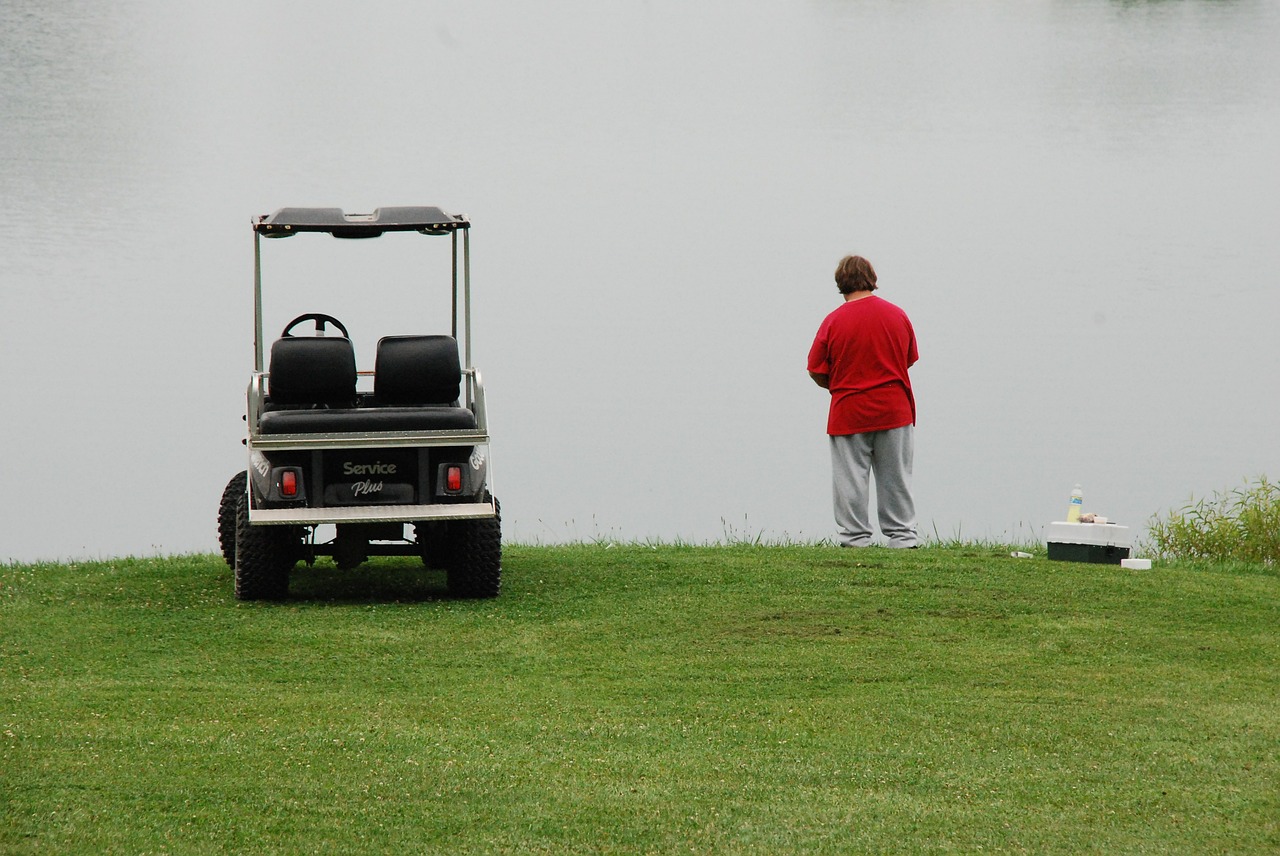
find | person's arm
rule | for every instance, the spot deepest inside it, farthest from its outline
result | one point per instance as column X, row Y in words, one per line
column 819, row 367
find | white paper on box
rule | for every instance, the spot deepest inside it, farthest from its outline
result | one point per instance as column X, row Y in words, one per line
column 1098, row 534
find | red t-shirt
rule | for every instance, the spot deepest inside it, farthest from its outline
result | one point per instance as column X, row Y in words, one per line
column 865, row 348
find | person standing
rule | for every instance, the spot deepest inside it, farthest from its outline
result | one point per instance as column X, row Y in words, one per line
column 861, row 355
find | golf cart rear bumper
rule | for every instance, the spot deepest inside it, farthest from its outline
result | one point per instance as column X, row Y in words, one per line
column 372, row 514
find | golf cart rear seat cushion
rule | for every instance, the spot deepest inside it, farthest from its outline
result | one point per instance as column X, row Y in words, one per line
column 308, row 370
column 415, row 370
column 367, row 419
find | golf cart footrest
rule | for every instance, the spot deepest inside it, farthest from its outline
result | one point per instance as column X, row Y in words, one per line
column 367, row 419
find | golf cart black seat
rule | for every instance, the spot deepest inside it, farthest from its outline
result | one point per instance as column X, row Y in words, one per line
column 419, row 380
column 309, row 371
column 417, row 383
column 417, row 371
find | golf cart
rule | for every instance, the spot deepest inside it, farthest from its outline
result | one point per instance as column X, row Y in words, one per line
column 400, row 467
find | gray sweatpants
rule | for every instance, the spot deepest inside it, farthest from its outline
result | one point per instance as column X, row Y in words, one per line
column 853, row 458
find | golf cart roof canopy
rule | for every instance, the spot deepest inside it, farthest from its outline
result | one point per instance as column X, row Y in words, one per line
column 290, row 221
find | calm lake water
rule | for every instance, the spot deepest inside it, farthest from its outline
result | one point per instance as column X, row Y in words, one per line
column 1075, row 201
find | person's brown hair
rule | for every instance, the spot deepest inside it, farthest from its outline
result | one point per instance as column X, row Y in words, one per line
column 854, row 273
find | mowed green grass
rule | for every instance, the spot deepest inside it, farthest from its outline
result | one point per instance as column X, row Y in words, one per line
column 639, row 699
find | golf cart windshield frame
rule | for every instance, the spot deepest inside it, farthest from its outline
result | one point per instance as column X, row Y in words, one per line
column 287, row 222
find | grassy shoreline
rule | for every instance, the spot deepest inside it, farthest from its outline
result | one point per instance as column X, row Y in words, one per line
column 644, row 698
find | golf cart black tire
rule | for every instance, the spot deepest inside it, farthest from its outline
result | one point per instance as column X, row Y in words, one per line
column 264, row 557
column 227, row 516
column 474, row 561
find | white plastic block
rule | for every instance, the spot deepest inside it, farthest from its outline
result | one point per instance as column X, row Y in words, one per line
column 1101, row 534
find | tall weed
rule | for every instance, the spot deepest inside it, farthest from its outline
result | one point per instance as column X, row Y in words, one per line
column 1239, row 525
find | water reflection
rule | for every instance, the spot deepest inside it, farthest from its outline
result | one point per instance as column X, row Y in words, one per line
column 1072, row 201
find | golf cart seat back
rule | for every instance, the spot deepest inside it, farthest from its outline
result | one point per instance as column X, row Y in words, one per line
column 308, row 371
column 417, row 382
column 417, row 370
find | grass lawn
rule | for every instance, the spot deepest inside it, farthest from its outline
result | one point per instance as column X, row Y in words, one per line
column 633, row 699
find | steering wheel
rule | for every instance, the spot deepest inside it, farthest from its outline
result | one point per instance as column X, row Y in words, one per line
column 321, row 320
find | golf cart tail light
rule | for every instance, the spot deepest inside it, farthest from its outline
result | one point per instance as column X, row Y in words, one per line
column 453, row 479
column 289, row 483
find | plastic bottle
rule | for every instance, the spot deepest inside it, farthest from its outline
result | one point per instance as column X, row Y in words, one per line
column 1077, row 502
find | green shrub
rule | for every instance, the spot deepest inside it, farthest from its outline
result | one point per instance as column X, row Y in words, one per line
column 1240, row 525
